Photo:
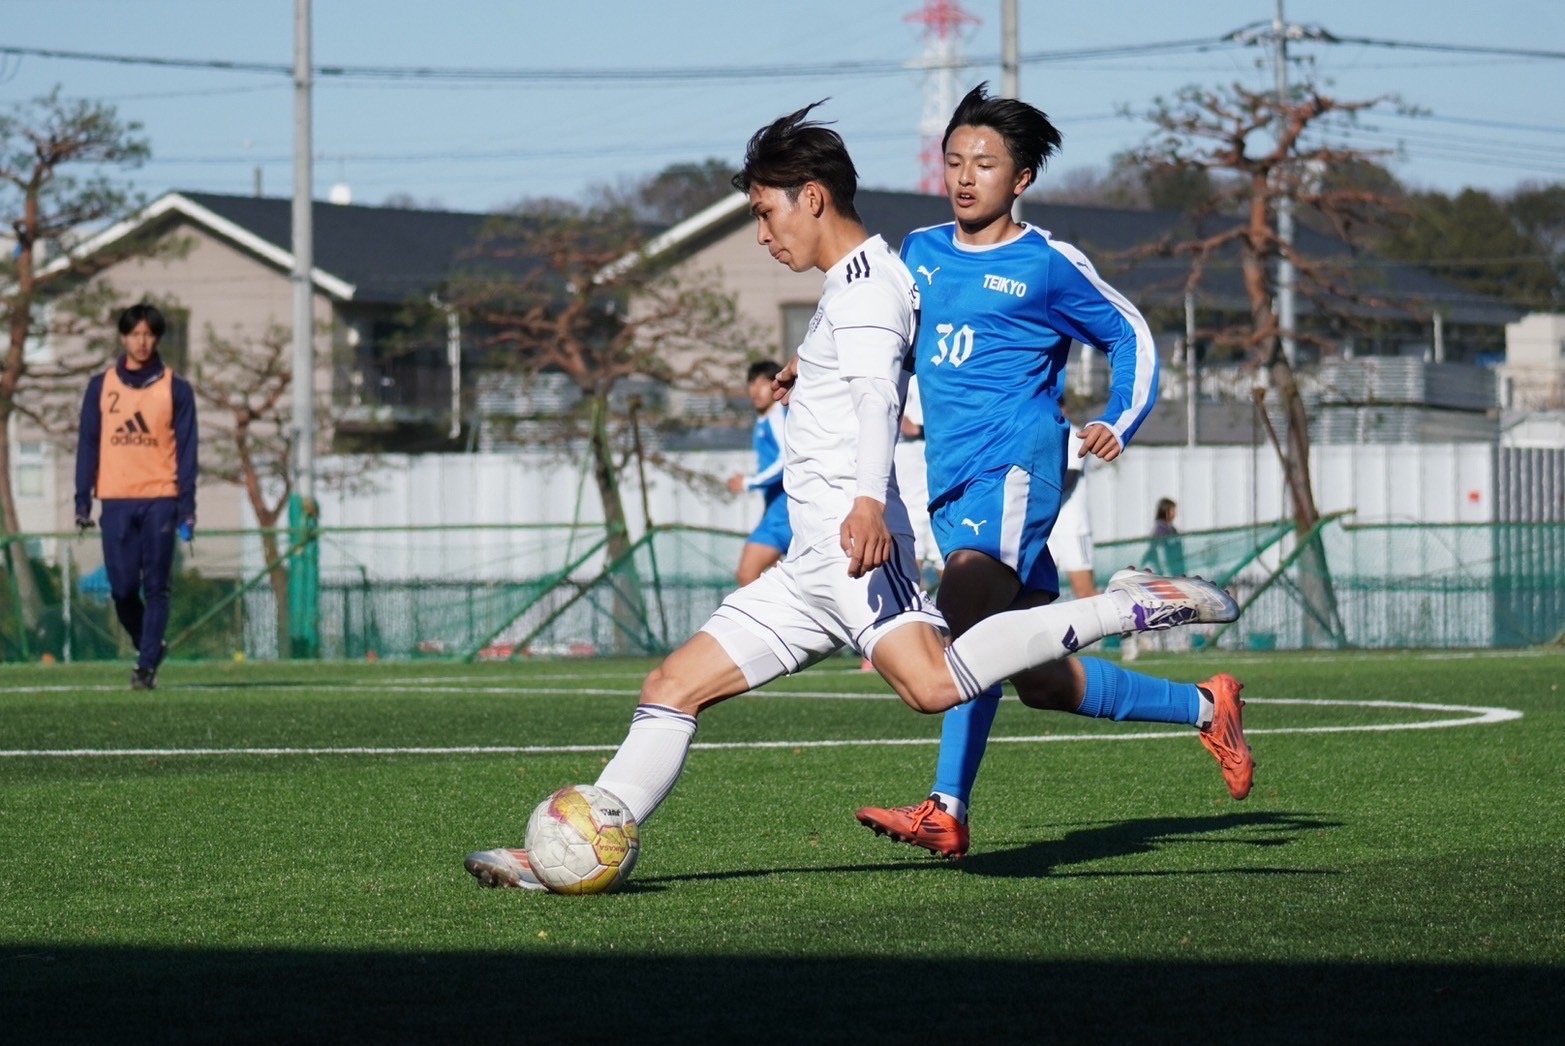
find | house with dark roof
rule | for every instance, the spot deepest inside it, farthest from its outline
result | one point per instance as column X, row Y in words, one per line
column 232, row 275
column 391, row 390
column 1408, row 314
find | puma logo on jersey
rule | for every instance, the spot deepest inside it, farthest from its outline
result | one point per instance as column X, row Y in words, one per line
column 969, row 523
column 928, row 274
column 1005, row 286
column 134, row 433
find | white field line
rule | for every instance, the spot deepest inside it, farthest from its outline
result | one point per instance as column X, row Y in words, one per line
column 1473, row 715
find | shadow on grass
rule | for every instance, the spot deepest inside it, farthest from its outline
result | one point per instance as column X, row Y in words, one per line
column 167, row 995
column 1083, row 844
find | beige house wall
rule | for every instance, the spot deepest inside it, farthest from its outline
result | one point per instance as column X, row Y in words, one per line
column 761, row 286
column 226, row 290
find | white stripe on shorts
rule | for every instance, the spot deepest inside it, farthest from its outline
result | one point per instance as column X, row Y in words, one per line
column 1018, row 485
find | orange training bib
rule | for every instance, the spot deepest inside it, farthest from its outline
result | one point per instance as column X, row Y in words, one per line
column 136, row 448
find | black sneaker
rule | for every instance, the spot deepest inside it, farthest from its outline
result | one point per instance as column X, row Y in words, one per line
column 144, row 679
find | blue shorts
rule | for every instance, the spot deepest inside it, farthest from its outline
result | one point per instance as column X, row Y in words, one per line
column 1007, row 514
column 774, row 529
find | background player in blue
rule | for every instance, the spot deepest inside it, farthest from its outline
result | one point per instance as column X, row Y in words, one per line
column 1000, row 303
column 771, row 536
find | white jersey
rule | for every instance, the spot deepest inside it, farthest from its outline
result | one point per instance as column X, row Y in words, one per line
column 863, row 327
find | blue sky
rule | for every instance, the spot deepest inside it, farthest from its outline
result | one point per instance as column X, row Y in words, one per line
column 1493, row 121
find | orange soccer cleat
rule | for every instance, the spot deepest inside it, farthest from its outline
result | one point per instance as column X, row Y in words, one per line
column 1225, row 737
column 927, row 825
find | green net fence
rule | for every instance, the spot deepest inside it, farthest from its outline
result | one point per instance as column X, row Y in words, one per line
column 457, row 593
column 1382, row 586
column 498, row 592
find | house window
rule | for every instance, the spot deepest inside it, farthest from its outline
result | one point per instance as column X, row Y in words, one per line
column 796, row 324
column 174, row 346
column 28, row 471
column 36, row 348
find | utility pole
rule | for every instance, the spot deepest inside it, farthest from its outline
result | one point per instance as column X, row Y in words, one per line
column 303, row 574
column 1192, row 379
column 1010, row 68
column 1286, row 312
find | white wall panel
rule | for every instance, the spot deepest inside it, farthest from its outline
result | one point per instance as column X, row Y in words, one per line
column 1215, row 487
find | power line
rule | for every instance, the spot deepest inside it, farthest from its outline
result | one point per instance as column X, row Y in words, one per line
column 428, row 74
column 1407, row 45
column 860, row 67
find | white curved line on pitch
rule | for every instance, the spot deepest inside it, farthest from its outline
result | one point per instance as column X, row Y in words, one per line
column 1478, row 715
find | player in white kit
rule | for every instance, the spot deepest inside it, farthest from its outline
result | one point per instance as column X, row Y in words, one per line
column 850, row 578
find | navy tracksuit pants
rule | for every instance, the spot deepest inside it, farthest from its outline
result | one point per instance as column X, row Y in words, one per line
column 138, row 554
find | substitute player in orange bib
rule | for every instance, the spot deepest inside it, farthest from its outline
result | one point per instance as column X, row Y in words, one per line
column 136, row 449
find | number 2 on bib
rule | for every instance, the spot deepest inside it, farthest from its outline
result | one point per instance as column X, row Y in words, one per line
column 955, row 344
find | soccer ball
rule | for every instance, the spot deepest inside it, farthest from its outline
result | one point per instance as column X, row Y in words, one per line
column 582, row 839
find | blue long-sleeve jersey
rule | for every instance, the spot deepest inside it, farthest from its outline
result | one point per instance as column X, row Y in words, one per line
column 769, row 441
column 994, row 333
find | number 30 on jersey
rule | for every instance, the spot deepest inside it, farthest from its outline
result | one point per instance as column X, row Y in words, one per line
column 955, row 345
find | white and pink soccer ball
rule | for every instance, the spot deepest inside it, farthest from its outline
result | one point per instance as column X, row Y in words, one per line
column 581, row 840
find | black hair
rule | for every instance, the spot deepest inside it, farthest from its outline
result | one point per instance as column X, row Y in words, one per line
column 761, row 369
column 1029, row 136
column 790, row 151
column 1165, row 509
column 143, row 313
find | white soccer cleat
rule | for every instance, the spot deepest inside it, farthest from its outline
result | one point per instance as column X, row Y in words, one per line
column 503, row 868
column 1156, row 603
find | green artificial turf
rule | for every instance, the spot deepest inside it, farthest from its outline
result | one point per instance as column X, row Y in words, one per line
column 1396, row 884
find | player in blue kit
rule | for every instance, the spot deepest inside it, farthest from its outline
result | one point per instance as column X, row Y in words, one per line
column 999, row 304
column 772, row 535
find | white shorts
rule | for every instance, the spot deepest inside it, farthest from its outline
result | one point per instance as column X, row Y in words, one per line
column 1071, row 552
column 807, row 607
column 1070, row 542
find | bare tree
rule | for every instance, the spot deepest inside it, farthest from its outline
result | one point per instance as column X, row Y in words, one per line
column 1253, row 148
column 49, row 209
column 567, row 290
column 244, row 384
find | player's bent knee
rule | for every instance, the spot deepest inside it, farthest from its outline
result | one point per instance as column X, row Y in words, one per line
column 930, row 691
column 700, row 673
column 662, row 688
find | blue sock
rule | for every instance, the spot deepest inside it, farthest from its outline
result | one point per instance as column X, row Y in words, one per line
column 1113, row 693
column 964, row 731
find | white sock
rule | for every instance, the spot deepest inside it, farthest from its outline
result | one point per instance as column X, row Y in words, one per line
column 999, row 647
column 1208, row 711
column 649, row 760
column 954, row 806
